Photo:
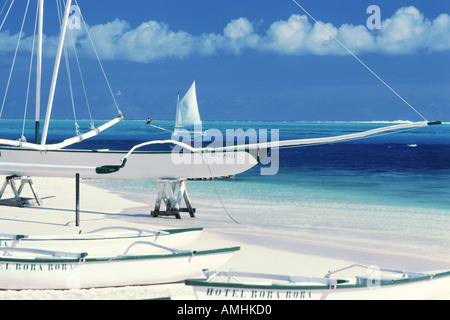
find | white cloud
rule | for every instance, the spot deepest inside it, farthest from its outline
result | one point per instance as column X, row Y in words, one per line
column 7, row 41
column 239, row 34
column 149, row 41
column 405, row 32
column 288, row 37
column 238, row 29
column 438, row 35
column 408, row 31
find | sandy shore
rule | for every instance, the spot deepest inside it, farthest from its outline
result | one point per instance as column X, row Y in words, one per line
column 263, row 249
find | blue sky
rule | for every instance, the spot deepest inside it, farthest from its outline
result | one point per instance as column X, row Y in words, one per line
column 251, row 60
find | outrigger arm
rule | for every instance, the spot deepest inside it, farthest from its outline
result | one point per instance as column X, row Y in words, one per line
column 273, row 144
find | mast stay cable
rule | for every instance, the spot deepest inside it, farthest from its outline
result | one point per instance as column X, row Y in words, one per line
column 359, row 60
column 22, row 138
column 6, row 14
column 69, row 77
column 15, row 56
column 99, row 61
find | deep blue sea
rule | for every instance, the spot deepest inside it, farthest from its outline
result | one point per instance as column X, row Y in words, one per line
column 409, row 168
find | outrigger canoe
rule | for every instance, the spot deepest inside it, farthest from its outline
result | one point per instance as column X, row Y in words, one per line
column 229, row 285
column 22, row 269
column 105, row 241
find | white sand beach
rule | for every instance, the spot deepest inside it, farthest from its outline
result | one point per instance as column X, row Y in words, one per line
column 278, row 250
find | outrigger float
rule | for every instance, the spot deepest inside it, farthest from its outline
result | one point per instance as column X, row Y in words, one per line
column 104, row 241
column 28, row 269
column 373, row 285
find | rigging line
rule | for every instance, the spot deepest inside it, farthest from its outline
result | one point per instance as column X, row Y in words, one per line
column 221, row 201
column 69, row 78
column 7, row 13
column 14, row 60
column 29, row 73
column 81, row 77
column 217, row 192
column 359, row 60
column 98, row 59
column 3, row 8
column 160, row 128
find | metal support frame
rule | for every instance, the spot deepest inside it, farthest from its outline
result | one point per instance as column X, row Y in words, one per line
column 18, row 200
column 172, row 197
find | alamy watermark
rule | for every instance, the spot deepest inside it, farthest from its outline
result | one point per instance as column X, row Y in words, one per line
column 237, row 148
column 374, row 277
column 74, row 22
column 374, row 21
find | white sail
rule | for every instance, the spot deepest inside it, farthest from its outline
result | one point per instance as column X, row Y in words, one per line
column 187, row 110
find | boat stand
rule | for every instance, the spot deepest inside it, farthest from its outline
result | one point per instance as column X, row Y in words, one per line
column 18, row 200
column 167, row 192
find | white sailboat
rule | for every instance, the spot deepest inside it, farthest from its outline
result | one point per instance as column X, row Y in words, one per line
column 21, row 158
column 188, row 115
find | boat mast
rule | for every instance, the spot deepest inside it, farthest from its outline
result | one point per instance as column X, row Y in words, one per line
column 39, row 70
column 177, row 117
column 56, row 70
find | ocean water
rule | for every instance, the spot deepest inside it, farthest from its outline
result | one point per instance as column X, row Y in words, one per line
column 409, row 168
column 387, row 186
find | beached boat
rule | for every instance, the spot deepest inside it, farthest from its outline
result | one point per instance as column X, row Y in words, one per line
column 22, row 268
column 103, row 242
column 23, row 158
column 372, row 285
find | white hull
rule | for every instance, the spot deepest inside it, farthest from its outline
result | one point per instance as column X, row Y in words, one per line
column 424, row 286
column 426, row 290
column 141, row 165
column 104, row 244
column 17, row 273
